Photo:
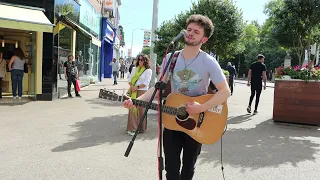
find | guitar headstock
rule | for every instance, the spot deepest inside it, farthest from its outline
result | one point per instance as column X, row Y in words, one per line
column 109, row 95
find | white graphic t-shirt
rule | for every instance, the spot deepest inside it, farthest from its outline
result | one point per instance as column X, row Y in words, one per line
column 192, row 77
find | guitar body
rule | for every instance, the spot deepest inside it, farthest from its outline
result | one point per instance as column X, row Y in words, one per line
column 213, row 120
column 206, row 127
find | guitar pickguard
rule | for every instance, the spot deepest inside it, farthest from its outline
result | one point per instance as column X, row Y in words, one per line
column 189, row 123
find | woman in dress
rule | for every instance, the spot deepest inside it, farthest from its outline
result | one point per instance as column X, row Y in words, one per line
column 139, row 80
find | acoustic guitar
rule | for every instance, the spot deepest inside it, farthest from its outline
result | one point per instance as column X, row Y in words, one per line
column 206, row 127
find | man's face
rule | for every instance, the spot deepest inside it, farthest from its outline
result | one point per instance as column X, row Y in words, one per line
column 195, row 35
column 262, row 60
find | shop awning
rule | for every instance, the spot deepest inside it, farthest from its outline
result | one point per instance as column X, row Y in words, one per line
column 24, row 18
column 65, row 20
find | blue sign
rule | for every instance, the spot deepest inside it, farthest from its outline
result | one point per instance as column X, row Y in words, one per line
column 108, row 32
column 90, row 18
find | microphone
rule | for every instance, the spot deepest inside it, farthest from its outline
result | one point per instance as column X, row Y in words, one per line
column 180, row 35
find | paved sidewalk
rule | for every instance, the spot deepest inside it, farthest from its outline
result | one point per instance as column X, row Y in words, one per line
column 244, row 81
column 84, row 138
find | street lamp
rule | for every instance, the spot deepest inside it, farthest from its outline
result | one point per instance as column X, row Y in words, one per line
column 132, row 37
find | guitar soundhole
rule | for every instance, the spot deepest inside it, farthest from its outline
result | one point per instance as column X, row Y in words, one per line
column 182, row 114
column 182, row 118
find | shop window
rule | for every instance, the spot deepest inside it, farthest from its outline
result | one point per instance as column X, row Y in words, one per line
column 65, row 38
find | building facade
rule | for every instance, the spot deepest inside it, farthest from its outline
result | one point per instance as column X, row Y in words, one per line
column 78, row 33
column 49, row 31
column 29, row 25
column 112, row 33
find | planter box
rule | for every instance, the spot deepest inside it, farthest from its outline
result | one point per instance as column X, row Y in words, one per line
column 297, row 101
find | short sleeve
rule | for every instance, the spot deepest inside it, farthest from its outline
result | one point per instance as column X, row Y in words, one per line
column 251, row 66
column 216, row 74
column 65, row 64
column 264, row 67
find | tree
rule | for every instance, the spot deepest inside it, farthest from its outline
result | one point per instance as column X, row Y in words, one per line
column 146, row 50
column 294, row 23
column 227, row 20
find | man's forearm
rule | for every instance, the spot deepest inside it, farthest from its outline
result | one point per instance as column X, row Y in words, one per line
column 249, row 77
column 147, row 95
column 265, row 80
column 220, row 97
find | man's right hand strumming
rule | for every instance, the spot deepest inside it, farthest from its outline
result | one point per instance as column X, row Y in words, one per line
column 128, row 104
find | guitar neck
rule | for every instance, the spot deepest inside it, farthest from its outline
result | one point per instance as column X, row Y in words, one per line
column 154, row 106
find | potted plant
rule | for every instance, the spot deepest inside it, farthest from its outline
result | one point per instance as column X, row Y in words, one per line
column 227, row 74
column 297, row 95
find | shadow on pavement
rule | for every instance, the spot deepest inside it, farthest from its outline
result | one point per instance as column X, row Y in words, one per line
column 239, row 119
column 267, row 145
column 101, row 130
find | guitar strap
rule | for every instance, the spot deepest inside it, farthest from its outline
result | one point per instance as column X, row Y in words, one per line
column 211, row 90
column 167, row 91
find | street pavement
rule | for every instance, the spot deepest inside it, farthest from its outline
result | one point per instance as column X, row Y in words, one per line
column 84, row 138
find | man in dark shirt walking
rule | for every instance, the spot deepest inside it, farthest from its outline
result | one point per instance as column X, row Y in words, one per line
column 256, row 74
column 232, row 74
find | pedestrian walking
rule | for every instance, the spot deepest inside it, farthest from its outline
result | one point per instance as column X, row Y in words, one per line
column 256, row 74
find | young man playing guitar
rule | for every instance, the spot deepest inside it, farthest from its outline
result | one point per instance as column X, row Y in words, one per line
column 191, row 75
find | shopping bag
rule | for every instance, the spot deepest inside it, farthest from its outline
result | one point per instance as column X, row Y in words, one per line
column 77, row 85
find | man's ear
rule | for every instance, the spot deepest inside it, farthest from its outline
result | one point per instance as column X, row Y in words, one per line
column 204, row 40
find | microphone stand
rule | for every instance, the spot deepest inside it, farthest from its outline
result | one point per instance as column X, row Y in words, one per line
column 159, row 86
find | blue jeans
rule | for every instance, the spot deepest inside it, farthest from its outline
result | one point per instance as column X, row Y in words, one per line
column 115, row 75
column 16, row 78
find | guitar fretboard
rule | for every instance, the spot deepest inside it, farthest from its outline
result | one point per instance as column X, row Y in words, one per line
column 153, row 106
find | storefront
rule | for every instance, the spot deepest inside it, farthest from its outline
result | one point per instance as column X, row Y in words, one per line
column 77, row 33
column 108, row 40
column 88, row 48
column 27, row 28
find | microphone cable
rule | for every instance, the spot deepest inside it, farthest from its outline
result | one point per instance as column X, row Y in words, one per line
column 222, row 168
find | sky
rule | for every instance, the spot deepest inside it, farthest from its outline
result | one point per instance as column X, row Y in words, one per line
column 136, row 15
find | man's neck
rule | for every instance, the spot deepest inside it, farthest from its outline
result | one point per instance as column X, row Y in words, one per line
column 190, row 52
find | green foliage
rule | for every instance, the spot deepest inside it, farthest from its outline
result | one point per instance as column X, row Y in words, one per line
column 146, row 50
column 226, row 73
column 295, row 23
column 226, row 17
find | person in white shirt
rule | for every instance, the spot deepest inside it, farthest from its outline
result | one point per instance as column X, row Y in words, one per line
column 115, row 70
column 3, row 71
column 139, row 80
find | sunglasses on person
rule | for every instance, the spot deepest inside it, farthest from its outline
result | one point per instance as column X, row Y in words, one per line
column 141, row 59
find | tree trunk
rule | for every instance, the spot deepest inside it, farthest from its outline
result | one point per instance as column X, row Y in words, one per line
column 309, row 51
column 299, row 57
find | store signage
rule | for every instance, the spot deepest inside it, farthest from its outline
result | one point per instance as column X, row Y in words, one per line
column 146, row 38
column 89, row 17
column 109, row 5
column 109, row 33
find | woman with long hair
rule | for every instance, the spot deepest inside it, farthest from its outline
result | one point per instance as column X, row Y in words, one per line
column 139, row 80
column 16, row 66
